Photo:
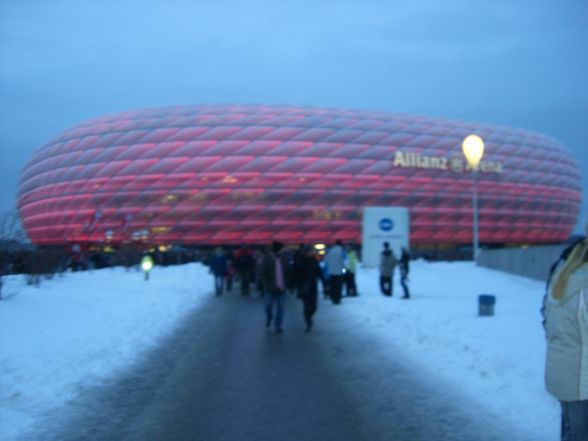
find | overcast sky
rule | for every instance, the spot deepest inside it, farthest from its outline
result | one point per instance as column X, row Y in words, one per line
column 520, row 63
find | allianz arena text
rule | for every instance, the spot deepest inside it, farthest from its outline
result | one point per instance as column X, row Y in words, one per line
column 232, row 174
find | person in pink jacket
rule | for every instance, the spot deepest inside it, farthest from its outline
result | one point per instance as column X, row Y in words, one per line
column 566, row 324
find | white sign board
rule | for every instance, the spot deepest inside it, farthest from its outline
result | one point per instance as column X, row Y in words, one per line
column 383, row 224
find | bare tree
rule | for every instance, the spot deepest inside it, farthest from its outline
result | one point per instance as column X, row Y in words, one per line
column 12, row 238
column 11, row 229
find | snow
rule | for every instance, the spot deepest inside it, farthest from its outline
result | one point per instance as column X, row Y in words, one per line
column 83, row 328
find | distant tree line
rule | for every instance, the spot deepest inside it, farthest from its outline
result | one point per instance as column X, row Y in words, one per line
column 19, row 256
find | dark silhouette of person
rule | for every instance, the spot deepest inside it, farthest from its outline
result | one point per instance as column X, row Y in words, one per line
column 308, row 273
column 245, row 266
column 219, row 268
column 298, row 262
column 404, row 269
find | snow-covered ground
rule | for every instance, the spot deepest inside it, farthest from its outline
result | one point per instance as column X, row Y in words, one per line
column 82, row 328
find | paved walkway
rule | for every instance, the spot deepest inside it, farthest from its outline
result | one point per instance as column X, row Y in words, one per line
column 223, row 377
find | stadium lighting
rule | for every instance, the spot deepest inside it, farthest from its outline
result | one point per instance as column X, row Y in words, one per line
column 473, row 150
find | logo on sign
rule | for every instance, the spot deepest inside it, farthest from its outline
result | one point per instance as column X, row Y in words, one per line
column 386, row 224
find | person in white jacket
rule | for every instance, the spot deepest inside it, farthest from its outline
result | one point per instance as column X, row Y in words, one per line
column 566, row 324
column 335, row 263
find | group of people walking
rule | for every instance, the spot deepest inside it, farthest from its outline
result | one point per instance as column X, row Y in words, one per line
column 276, row 271
column 565, row 307
column 227, row 266
column 273, row 271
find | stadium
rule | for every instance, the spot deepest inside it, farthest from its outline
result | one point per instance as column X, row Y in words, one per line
column 233, row 174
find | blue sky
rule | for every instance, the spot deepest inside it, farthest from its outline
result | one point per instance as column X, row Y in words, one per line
column 521, row 64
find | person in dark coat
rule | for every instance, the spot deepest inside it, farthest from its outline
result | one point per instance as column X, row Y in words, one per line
column 308, row 273
column 244, row 263
column 273, row 279
column 230, row 273
column 219, row 268
column 404, row 268
column 298, row 261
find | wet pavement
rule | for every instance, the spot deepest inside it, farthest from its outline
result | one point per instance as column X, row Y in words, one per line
column 223, row 377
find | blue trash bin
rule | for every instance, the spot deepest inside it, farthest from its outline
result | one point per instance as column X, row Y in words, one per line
column 486, row 304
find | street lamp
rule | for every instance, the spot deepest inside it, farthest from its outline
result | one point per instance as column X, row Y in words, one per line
column 473, row 150
column 146, row 265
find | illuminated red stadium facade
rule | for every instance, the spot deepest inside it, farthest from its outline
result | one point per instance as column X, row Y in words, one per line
column 250, row 174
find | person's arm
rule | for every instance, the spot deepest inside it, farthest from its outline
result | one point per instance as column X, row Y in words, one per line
column 583, row 315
